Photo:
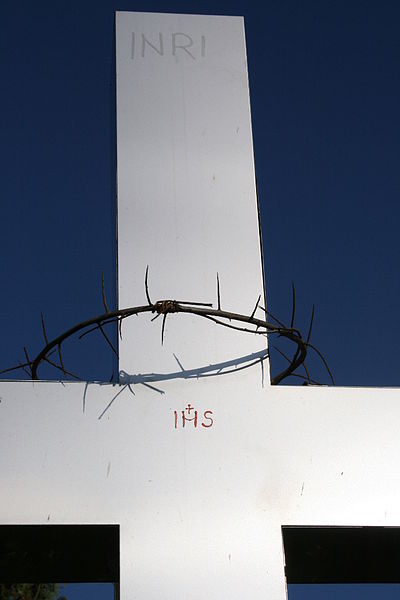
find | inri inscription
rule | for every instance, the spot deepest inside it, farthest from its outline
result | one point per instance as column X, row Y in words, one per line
column 177, row 43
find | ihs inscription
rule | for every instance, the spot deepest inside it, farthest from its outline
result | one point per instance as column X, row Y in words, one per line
column 194, row 418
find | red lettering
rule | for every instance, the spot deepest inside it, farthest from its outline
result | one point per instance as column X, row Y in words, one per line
column 184, row 418
column 207, row 421
column 208, row 412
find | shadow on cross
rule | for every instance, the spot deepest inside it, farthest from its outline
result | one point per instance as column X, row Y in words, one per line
column 126, row 381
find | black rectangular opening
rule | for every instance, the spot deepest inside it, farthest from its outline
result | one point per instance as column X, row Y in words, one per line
column 324, row 555
column 59, row 553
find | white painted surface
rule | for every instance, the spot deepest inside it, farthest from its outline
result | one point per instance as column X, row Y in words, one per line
column 186, row 189
column 200, row 509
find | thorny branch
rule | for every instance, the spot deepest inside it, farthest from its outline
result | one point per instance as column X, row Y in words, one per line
column 244, row 323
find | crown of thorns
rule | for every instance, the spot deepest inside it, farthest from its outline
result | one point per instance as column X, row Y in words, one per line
column 240, row 322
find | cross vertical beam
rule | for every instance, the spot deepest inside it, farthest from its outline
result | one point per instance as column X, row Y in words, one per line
column 187, row 203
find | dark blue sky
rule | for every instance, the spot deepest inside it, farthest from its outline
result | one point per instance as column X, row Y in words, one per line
column 355, row 591
column 87, row 591
column 325, row 91
column 295, row 592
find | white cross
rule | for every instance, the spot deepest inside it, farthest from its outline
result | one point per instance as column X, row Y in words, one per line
column 200, row 493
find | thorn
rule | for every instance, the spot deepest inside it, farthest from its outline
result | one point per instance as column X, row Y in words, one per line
column 282, row 354
column 163, row 328
column 44, row 330
column 269, row 313
column 28, row 361
column 218, row 293
column 103, row 292
column 311, row 324
column 26, row 354
column 21, row 366
column 255, row 308
column 293, row 305
column 61, row 360
column 56, row 366
column 109, row 342
column 307, row 373
column 146, row 285
column 323, row 360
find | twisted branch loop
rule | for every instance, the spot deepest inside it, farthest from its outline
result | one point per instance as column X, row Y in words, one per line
column 244, row 323
column 162, row 307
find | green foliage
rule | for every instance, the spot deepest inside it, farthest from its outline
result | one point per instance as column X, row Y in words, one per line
column 28, row 591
